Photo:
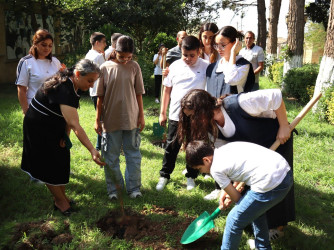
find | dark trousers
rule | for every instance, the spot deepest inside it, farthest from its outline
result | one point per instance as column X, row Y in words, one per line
column 171, row 151
column 157, row 85
column 98, row 142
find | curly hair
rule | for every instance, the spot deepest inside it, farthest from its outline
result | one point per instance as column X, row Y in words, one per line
column 201, row 122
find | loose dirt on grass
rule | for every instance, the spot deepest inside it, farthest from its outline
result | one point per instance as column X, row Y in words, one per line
column 145, row 233
column 134, row 227
column 39, row 235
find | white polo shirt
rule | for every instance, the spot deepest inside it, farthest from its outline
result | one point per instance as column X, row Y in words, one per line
column 260, row 168
column 97, row 58
column 254, row 56
column 183, row 78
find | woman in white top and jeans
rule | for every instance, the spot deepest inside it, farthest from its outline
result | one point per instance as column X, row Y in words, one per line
column 157, row 73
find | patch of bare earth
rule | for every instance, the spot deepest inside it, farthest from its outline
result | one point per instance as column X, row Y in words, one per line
column 39, row 235
column 143, row 232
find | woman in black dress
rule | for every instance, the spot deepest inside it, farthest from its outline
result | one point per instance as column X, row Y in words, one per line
column 47, row 125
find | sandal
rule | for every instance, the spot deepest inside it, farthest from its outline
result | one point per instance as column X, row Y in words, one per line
column 275, row 234
column 67, row 212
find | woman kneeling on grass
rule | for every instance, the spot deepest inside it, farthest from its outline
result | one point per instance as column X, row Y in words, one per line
column 47, row 125
column 266, row 172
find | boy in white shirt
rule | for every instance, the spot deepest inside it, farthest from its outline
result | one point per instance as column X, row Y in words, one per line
column 185, row 74
column 96, row 54
column 266, row 172
column 112, row 47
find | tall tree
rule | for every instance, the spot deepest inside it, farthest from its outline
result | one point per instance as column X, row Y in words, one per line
column 326, row 72
column 318, row 11
column 261, row 24
column 274, row 10
column 296, row 23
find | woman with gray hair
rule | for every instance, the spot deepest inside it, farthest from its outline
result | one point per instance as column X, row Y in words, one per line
column 47, row 125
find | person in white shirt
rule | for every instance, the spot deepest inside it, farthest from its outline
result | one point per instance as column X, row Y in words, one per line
column 266, row 172
column 232, row 73
column 258, row 117
column 185, row 74
column 112, row 47
column 158, row 72
column 35, row 68
column 255, row 55
column 206, row 37
column 96, row 54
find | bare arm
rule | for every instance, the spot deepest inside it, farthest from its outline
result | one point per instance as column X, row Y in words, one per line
column 98, row 126
column 259, row 68
column 233, row 194
column 141, row 118
column 164, row 105
column 284, row 131
column 22, row 96
column 156, row 61
column 72, row 119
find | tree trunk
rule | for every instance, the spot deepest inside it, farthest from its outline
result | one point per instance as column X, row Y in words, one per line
column 261, row 24
column 326, row 72
column 275, row 8
column 296, row 23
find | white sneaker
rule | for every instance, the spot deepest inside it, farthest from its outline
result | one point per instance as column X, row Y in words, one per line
column 184, row 171
column 190, row 183
column 157, row 100
column 207, row 176
column 251, row 243
column 275, row 234
column 161, row 183
column 112, row 197
column 135, row 194
column 213, row 195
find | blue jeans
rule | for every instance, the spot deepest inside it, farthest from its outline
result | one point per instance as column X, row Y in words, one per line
column 111, row 149
column 98, row 141
column 251, row 208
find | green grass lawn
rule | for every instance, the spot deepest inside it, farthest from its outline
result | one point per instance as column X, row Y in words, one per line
column 23, row 202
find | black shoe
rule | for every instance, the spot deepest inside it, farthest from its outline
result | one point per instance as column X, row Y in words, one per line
column 67, row 212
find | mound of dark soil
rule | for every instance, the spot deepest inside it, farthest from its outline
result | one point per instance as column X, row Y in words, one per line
column 146, row 233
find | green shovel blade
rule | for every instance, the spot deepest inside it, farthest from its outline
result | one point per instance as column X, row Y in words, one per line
column 199, row 227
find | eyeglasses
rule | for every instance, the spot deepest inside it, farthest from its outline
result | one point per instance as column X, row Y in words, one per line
column 220, row 46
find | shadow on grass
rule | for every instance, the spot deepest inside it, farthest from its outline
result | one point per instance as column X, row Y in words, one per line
column 24, row 201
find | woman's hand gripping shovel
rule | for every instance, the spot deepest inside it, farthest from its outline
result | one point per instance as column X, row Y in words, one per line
column 159, row 130
column 204, row 223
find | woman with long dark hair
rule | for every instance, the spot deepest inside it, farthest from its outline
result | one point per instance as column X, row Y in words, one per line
column 258, row 117
column 206, row 39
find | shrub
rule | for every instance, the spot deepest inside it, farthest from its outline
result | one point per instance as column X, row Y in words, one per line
column 330, row 109
column 297, row 81
column 277, row 72
column 325, row 107
column 147, row 66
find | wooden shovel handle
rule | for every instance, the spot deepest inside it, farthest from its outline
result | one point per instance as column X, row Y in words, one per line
column 298, row 118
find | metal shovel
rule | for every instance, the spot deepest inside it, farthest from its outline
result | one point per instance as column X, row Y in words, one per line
column 204, row 223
